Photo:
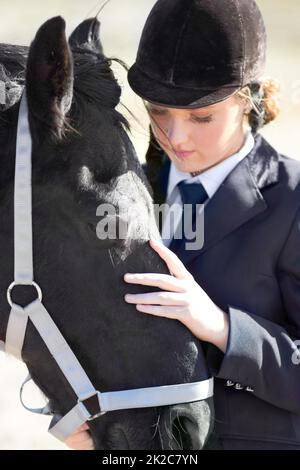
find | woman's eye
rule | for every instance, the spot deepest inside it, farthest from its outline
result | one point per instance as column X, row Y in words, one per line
column 205, row 119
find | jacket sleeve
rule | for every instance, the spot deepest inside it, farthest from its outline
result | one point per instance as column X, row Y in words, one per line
column 261, row 354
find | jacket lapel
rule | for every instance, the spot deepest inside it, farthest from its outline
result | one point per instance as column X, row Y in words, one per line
column 238, row 199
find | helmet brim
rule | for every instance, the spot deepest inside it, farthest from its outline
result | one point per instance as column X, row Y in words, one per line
column 172, row 96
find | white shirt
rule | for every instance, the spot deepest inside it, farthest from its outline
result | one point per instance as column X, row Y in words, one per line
column 211, row 180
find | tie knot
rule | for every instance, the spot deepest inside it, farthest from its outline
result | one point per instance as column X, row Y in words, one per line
column 193, row 193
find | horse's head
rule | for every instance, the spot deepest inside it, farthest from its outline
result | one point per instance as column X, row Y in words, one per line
column 83, row 163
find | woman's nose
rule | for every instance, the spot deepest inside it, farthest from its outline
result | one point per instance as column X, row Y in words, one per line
column 177, row 133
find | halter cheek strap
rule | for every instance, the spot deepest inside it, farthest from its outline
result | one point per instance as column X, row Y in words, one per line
column 62, row 427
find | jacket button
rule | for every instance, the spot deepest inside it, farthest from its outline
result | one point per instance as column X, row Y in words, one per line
column 238, row 386
column 229, row 383
column 249, row 389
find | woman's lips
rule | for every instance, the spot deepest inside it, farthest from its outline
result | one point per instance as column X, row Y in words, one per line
column 184, row 154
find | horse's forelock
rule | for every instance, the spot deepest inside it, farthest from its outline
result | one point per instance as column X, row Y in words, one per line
column 12, row 74
column 95, row 79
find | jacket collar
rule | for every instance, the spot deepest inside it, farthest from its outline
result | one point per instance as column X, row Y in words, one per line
column 237, row 200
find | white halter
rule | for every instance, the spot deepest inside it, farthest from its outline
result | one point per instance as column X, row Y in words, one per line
column 58, row 347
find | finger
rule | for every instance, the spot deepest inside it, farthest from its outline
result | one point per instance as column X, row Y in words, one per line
column 156, row 298
column 82, row 446
column 173, row 313
column 175, row 265
column 79, row 437
column 162, row 281
column 80, row 441
column 83, row 427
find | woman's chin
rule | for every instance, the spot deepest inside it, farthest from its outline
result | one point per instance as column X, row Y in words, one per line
column 188, row 167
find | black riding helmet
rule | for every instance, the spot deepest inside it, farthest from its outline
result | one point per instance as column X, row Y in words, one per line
column 195, row 53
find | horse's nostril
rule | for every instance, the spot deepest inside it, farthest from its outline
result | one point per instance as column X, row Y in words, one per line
column 182, row 433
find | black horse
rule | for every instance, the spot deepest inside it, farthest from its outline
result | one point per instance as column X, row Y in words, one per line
column 82, row 157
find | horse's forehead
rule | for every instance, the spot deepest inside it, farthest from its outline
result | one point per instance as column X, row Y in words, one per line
column 128, row 196
column 128, row 186
column 130, row 183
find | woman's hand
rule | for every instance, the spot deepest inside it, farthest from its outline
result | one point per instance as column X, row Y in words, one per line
column 181, row 299
column 80, row 439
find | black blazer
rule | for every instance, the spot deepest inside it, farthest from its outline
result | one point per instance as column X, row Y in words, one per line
column 250, row 267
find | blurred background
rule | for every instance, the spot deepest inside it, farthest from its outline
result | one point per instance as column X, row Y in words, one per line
column 122, row 23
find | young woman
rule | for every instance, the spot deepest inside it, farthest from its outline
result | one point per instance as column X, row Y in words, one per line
column 199, row 69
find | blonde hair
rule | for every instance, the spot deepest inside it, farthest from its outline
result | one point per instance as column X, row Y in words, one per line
column 263, row 97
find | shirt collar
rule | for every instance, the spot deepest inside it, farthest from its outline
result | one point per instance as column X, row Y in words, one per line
column 212, row 178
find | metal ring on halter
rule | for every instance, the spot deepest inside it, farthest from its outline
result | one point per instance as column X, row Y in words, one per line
column 13, row 284
column 89, row 395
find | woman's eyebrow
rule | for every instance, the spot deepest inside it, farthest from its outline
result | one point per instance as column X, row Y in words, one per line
column 202, row 111
column 202, row 114
column 155, row 108
column 208, row 109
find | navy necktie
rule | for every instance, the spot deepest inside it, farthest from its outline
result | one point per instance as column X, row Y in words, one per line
column 193, row 194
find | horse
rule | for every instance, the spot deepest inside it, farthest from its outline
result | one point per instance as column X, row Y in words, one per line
column 82, row 158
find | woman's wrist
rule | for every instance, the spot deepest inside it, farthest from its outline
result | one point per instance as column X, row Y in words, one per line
column 215, row 328
column 220, row 330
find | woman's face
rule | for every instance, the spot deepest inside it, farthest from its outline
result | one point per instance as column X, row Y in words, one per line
column 197, row 139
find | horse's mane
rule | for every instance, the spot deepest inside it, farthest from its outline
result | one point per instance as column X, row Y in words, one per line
column 94, row 79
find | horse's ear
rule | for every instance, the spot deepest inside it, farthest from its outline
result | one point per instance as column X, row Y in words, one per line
column 87, row 34
column 49, row 75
